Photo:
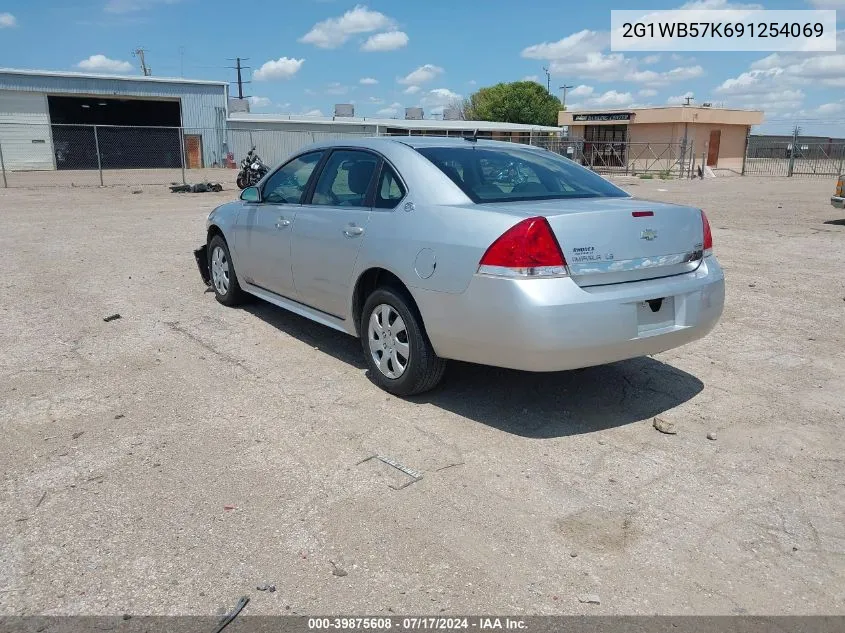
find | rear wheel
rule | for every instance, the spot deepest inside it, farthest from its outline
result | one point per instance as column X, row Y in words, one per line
column 227, row 290
column 396, row 348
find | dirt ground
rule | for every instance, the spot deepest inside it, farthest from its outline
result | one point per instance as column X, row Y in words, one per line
column 171, row 461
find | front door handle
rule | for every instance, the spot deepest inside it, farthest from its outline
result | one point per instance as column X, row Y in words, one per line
column 282, row 223
column 353, row 231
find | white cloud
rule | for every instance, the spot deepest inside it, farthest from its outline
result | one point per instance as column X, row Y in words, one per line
column 376, row 100
column 648, row 60
column 102, row 64
column 368, row 81
column 440, row 96
column 314, row 112
column 282, row 68
column 827, row 4
column 679, row 99
column 531, row 78
column 760, row 89
column 7, row 21
column 718, row 4
column 390, row 111
column 421, row 75
column 259, row 102
column 335, row 32
column 580, row 91
column 579, row 43
column 613, row 98
column 131, row 6
column 647, row 92
column 436, row 100
column 412, row 90
column 336, row 88
column 472, row 82
column 609, row 99
column 389, row 41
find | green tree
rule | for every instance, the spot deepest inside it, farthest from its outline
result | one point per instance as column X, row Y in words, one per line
column 517, row 102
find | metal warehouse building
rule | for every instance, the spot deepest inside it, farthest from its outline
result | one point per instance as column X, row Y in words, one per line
column 65, row 120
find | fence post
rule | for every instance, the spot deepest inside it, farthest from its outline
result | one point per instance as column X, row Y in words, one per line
column 745, row 153
column 3, row 167
column 182, row 152
column 691, row 162
column 791, row 167
column 99, row 159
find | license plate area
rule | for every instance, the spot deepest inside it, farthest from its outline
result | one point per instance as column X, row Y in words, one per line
column 655, row 314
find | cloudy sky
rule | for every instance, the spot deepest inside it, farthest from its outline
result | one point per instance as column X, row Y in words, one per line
column 385, row 55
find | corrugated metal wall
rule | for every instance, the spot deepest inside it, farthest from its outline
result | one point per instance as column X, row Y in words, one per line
column 203, row 105
column 276, row 141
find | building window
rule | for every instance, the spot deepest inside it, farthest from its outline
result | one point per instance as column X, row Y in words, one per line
column 605, row 145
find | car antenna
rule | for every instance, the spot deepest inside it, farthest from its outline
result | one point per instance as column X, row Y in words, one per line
column 473, row 138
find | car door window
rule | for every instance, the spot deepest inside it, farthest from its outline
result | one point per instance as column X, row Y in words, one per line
column 390, row 189
column 288, row 184
column 345, row 179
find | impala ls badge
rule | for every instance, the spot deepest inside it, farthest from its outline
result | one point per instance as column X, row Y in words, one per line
column 648, row 235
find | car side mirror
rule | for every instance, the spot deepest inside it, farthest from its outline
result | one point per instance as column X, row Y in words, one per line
column 251, row 194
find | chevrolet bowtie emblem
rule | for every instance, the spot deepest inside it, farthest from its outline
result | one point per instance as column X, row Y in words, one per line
column 649, row 235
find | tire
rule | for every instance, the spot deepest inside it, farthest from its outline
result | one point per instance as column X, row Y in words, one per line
column 224, row 280
column 422, row 370
column 240, row 182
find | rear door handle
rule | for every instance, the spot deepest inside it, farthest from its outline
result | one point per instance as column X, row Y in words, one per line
column 282, row 223
column 353, row 231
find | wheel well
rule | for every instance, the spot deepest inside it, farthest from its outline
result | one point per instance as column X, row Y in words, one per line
column 371, row 279
column 212, row 231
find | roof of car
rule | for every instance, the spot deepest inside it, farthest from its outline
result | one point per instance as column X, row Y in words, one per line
column 375, row 142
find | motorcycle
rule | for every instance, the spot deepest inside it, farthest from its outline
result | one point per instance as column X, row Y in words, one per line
column 252, row 170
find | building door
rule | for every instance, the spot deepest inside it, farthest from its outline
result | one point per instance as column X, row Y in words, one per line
column 713, row 148
column 193, row 151
column 25, row 130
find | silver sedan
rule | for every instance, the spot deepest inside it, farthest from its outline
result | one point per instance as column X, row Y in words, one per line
column 431, row 249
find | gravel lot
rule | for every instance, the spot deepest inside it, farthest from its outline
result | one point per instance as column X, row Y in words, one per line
column 170, row 461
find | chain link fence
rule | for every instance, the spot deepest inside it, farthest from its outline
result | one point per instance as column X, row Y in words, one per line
column 765, row 157
column 37, row 155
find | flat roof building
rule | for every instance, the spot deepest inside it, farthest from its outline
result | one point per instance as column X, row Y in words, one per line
column 277, row 136
column 632, row 135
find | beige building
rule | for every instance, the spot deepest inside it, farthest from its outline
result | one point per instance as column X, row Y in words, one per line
column 648, row 138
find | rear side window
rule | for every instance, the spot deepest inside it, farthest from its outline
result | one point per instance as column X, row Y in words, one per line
column 390, row 189
column 496, row 174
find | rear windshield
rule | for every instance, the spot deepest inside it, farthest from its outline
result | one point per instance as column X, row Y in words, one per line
column 488, row 174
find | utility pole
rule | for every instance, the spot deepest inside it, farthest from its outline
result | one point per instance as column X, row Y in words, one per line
column 139, row 53
column 239, row 68
column 688, row 100
column 548, row 79
column 564, row 88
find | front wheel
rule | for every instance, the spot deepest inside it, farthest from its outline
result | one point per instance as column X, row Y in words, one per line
column 396, row 348
column 227, row 290
column 240, row 182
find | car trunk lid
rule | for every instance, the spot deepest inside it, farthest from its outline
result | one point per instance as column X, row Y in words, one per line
column 618, row 240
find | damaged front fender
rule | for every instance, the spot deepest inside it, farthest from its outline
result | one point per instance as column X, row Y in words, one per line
column 201, row 255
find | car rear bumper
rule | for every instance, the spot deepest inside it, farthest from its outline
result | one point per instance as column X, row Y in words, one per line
column 554, row 324
column 837, row 202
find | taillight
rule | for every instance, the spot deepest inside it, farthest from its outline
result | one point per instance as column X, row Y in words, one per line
column 708, row 236
column 528, row 249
